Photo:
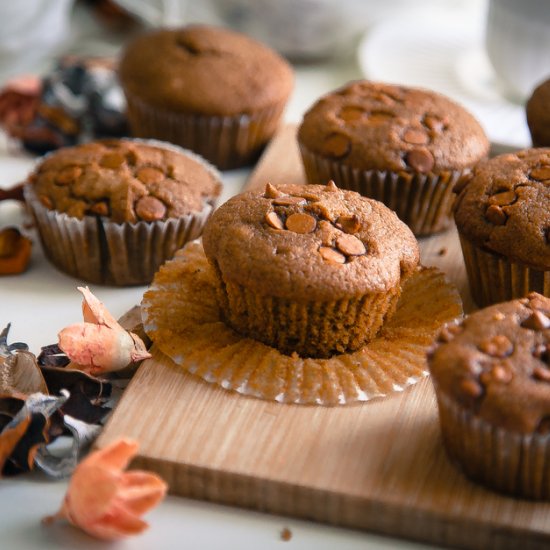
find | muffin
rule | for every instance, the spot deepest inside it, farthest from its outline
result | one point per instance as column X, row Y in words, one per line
column 314, row 270
column 492, row 380
column 113, row 211
column 211, row 90
column 538, row 115
column 403, row 146
column 503, row 218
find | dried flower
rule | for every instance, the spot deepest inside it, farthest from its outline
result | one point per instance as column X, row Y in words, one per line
column 106, row 502
column 100, row 344
column 15, row 251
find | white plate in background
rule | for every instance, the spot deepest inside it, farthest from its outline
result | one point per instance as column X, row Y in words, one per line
column 446, row 56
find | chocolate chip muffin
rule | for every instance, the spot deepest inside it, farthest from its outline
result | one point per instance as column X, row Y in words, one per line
column 314, row 270
column 492, row 380
column 211, row 90
column 113, row 211
column 403, row 146
column 503, row 218
column 538, row 115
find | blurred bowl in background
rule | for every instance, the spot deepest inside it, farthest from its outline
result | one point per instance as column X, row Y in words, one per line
column 518, row 44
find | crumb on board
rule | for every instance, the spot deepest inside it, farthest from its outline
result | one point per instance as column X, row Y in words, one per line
column 286, row 534
column 442, row 251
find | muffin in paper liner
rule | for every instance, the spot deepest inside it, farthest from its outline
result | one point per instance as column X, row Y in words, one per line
column 494, row 278
column 226, row 141
column 510, row 462
column 183, row 319
column 423, row 201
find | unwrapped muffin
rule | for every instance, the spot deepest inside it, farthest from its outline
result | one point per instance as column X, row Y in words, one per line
column 503, row 218
column 113, row 211
column 538, row 115
column 211, row 90
column 492, row 380
column 403, row 146
column 314, row 270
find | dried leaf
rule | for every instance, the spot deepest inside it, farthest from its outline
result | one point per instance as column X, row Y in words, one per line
column 52, row 356
column 7, row 349
column 21, row 375
column 106, row 502
column 62, row 466
column 9, row 438
column 100, row 344
column 15, row 251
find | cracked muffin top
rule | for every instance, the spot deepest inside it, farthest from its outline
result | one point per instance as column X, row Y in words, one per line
column 375, row 126
column 504, row 207
column 124, row 180
column 204, row 70
column 310, row 242
column 496, row 363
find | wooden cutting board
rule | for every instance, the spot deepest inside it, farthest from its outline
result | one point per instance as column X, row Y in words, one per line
column 378, row 466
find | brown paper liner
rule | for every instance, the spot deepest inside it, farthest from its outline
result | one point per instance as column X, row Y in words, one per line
column 513, row 463
column 312, row 329
column 226, row 141
column 100, row 251
column 182, row 317
column 422, row 201
column 494, row 278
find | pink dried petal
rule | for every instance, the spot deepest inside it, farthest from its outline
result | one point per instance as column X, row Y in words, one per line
column 107, row 502
column 95, row 311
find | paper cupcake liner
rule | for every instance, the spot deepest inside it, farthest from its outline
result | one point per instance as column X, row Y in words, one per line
column 318, row 329
column 100, row 251
column 227, row 141
column 183, row 319
column 422, row 201
column 509, row 462
column 494, row 278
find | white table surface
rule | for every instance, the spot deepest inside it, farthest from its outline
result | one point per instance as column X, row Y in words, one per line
column 42, row 301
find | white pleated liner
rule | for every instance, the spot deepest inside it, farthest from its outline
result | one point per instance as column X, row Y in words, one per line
column 509, row 462
column 182, row 317
column 422, row 201
column 493, row 278
column 226, row 141
column 97, row 250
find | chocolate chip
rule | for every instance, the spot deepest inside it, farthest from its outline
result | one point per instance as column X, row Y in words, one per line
column 112, row 161
column 348, row 224
column 288, row 201
column 471, row 388
column 272, row 192
column 500, row 373
column 542, row 374
column 435, row 123
column 46, row 201
column 420, row 160
column 310, row 197
column 337, row 145
column 274, row 221
column 448, row 332
column 332, row 256
column 150, row 209
column 331, row 186
column 503, row 199
column 496, row 215
column 497, row 346
column 149, row 174
column 540, row 174
column 380, row 117
column 68, row 174
column 351, row 113
column 350, row 245
column 301, row 223
column 536, row 321
column 100, row 208
column 415, row 136
column 499, row 316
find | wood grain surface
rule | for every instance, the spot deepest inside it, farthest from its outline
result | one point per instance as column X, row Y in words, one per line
column 378, row 466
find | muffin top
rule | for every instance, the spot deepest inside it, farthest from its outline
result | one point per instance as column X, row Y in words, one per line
column 310, row 242
column 124, row 180
column 204, row 70
column 497, row 364
column 505, row 206
column 374, row 126
column 538, row 115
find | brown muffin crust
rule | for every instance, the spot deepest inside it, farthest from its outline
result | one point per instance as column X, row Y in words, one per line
column 538, row 115
column 505, row 207
column 125, row 181
column 497, row 364
column 310, row 243
column 375, row 126
column 204, row 70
